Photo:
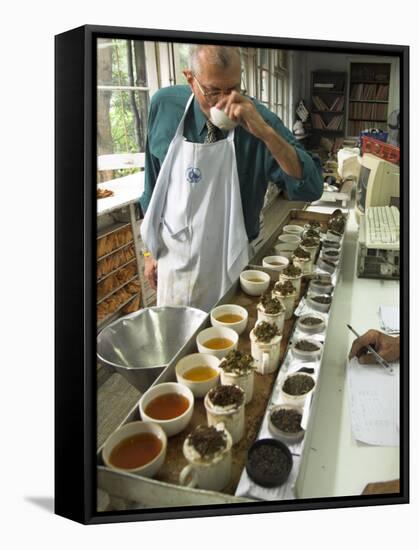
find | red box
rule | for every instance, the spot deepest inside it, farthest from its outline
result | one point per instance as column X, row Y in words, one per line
column 388, row 152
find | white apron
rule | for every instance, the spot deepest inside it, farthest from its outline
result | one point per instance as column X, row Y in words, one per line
column 194, row 224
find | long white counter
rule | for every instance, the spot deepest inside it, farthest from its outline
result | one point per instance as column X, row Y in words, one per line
column 334, row 463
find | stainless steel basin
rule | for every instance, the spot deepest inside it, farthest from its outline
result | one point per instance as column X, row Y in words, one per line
column 140, row 345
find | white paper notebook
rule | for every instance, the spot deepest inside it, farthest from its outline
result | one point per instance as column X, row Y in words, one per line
column 374, row 403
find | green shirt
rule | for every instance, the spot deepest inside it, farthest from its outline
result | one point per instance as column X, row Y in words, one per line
column 255, row 164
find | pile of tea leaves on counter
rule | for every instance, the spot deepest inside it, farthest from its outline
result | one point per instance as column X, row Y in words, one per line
column 208, row 441
column 298, row 384
column 305, row 345
column 264, row 331
column 292, row 271
column 301, row 253
column 270, row 304
column 224, row 396
column 287, row 420
column 236, row 362
column 285, row 289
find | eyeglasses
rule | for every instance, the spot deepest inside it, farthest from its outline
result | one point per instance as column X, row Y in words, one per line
column 213, row 97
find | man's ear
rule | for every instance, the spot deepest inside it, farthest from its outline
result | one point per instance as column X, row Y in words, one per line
column 189, row 77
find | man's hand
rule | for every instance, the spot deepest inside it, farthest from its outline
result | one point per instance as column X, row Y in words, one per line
column 240, row 109
column 386, row 346
column 150, row 271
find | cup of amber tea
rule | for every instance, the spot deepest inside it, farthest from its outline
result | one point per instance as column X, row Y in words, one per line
column 137, row 447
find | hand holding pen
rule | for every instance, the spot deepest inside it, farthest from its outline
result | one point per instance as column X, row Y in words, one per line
column 375, row 347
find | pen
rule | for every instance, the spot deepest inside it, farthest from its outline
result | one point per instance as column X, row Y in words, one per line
column 380, row 360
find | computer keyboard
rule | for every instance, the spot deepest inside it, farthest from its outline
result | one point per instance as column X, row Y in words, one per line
column 382, row 225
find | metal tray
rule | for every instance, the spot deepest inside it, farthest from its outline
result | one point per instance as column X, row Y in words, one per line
column 256, row 409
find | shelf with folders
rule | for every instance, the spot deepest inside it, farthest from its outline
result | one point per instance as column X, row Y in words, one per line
column 368, row 97
column 328, row 89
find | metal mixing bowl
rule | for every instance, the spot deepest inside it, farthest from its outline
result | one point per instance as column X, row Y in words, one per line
column 140, row 345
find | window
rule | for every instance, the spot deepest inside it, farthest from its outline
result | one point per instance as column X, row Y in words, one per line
column 123, row 93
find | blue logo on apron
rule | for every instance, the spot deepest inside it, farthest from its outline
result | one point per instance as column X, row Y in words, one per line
column 193, row 175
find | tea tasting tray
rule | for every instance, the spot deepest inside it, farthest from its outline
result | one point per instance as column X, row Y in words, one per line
column 291, row 365
column 265, row 394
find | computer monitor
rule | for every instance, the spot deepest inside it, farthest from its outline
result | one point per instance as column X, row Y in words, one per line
column 378, row 184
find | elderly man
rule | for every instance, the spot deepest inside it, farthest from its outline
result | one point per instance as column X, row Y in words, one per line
column 204, row 188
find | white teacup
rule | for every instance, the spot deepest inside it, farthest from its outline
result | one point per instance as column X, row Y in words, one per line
column 212, row 333
column 275, row 263
column 230, row 309
column 293, row 230
column 212, row 474
column 285, row 249
column 266, row 354
column 198, row 387
column 221, row 120
column 289, row 238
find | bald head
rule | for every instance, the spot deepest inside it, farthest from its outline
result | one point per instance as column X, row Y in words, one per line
column 223, row 57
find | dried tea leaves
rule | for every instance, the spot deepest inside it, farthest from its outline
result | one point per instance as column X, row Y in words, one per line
column 271, row 305
column 298, row 384
column 224, row 396
column 236, row 362
column 265, row 332
column 305, row 345
column 285, row 289
column 208, row 441
column 292, row 271
column 287, row 420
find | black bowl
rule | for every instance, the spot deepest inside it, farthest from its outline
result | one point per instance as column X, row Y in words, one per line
column 263, row 462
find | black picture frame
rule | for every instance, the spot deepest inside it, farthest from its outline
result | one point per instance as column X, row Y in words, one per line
column 75, row 257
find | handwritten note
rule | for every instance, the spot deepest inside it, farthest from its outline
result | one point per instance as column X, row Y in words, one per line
column 374, row 403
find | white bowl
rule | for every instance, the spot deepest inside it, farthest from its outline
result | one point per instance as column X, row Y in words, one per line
column 285, row 249
column 128, row 430
column 198, row 387
column 293, row 230
column 296, row 399
column 311, row 329
column 332, row 237
column 315, row 288
column 325, row 266
column 254, row 288
column 238, row 326
column 217, row 332
column 331, row 244
column 328, row 254
column 316, row 305
column 276, row 263
column 174, row 425
column 288, row 238
column 307, row 355
column 285, row 437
